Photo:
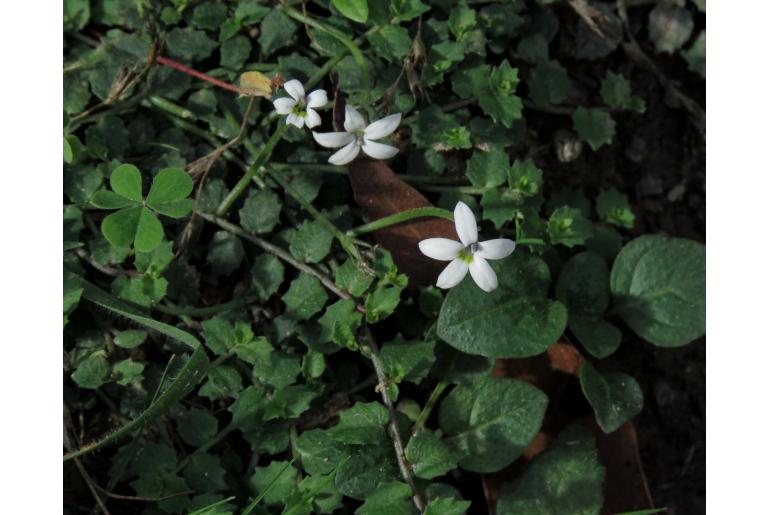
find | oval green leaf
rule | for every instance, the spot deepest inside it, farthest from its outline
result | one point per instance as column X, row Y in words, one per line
column 170, row 185
column 126, row 181
column 615, row 397
column 120, row 227
column 659, row 289
column 514, row 321
column 356, row 10
column 491, row 420
column 106, row 199
column 149, row 231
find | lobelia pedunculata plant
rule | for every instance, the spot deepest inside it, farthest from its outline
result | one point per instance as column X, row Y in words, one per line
column 277, row 327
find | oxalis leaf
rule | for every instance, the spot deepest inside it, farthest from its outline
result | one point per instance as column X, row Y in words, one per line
column 566, row 478
column 514, row 321
column 614, row 396
column 659, row 288
column 491, row 420
column 189, row 376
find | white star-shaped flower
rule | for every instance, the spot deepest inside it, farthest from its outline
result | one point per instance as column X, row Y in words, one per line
column 468, row 253
column 359, row 136
column 300, row 109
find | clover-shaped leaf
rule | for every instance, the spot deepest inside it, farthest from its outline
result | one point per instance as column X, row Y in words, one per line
column 135, row 221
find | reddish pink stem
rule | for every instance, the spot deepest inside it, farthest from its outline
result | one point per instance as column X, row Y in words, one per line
column 198, row 75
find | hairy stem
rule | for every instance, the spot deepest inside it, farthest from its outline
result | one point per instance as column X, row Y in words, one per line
column 403, row 216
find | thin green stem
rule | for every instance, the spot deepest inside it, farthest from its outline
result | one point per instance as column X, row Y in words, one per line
column 260, row 160
column 467, row 190
column 208, row 310
column 530, row 241
column 351, row 45
column 403, row 216
column 419, row 424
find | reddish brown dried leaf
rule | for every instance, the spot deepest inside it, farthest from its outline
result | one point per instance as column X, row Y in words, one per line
column 379, row 191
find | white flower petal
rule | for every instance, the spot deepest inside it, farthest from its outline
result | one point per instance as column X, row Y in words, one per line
column 465, row 224
column 442, row 249
column 333, row 139
column 317, row 98
column 295, row 89
column 495, row 249
column 452, row 274
column 353, row 120
column 378, row 150
column 296, row 120
column 483, row 274
column 312, row 119
column 345, row 155
column 382, row 128
column 283, row 105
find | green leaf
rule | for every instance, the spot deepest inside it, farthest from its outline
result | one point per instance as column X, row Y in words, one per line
column 367, row 467
column 235, row 52
column 170, row 185
column 568, row 226
column 363, row 424
column 407, row 360
column 669, row 27
column 276, row 31
column 126, row 181
column 491, row 420
column 599, row 337
column 120, row 227
column 488, row 169
column 209, row 15
column 356, row 10
column 352, row 279
column 205, row 473
column 319, row 452
column 453, row 366
column 514, row 321
column 565, row 478
column 266, row 275
column 223, row 381
column 548, row 84
column 221, row 336
column 613, row 208
column 659, row 289
column 149, row 231
column 225, row 253
column 197, row 427
column 594, row 126
column 106, row 199
column 429, row 456
column 391, row 42
column 276, row 482
column 260, row 211
column 189, row 44
column 289, row 402
column 696, row 55
column 393, row 498
column 305, row 297
column 339, row 322
column 382, row 302
column 447, row 506
column 126, row 371
column 92, row 372
column 69, row 155
column 525, row 178
column 615, row 397
column 72, row 292
column 616, row 92
column 405, row 10
column 270, row 366
column 311, row 242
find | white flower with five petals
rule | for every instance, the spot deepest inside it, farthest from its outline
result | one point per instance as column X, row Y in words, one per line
column 468, row 253
column 300, row 109
column 359, row 136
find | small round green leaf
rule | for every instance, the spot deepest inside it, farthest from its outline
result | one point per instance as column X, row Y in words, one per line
column 491, row 420
column 615, row 397
column 514, row 321
column 170, row 185
column 584, row 284
column 149, row 231
column 126, row 181
column 356, row 10
column 659, row 289
column 106, row 199
column 120, row 227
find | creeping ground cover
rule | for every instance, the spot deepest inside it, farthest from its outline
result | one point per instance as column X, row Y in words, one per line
column 384, row 257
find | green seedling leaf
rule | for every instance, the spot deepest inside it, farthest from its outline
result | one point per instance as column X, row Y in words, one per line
column 594, row 126
column 613, row 208
column 659, row 289
column 430, row 456
column 488, row 169
column 615, row 397
column 616, row 92
column 514, row 321
column 568, row 226
column 491, row 420
column 566, row 478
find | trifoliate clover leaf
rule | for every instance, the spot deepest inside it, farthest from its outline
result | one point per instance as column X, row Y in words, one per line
column 615, row 397
column 594, row 126
column 616, row 92
column 568, row 226
column 613, row 208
